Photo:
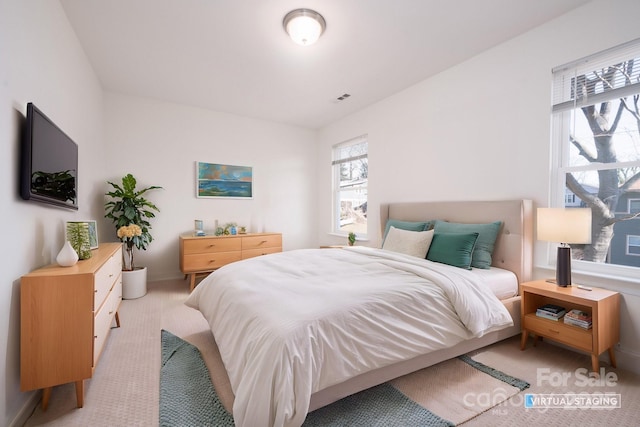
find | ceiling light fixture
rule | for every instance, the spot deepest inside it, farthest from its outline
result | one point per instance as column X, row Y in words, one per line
column 304, row 26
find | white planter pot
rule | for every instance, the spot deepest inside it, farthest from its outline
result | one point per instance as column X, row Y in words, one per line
column 134, row 283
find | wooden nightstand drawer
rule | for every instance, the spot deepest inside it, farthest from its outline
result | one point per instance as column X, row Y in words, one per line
column 573, row 336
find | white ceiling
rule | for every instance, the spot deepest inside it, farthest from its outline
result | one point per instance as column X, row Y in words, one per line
column 234, row 56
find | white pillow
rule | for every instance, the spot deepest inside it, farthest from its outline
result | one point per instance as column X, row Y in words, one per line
column 415, row 243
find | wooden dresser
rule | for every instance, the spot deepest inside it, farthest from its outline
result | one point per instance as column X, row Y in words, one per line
column 204, row 254
column 66, row 314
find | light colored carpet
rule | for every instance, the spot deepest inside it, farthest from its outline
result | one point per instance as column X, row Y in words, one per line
column 124, row 390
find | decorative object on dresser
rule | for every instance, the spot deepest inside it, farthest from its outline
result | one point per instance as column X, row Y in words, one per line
column 130, row 213
column 202, row 255
column 77, row 233
column 67, row 255
column 66, row 314
column 564, row 226
column 597, row 314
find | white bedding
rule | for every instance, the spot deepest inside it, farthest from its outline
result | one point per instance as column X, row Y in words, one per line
column 292, row 323
column 503, row 283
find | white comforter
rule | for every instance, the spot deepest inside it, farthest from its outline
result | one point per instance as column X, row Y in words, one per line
column 292, row 323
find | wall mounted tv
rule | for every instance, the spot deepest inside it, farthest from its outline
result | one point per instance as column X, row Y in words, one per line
column 49, row 169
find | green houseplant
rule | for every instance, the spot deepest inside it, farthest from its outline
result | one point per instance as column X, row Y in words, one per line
column 352, row 238
column 130, row 213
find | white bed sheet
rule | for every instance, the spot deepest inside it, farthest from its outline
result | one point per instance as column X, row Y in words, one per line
column 503, row 283
column 290, row 324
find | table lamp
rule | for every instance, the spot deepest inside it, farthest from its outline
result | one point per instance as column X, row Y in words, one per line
column 564, row 226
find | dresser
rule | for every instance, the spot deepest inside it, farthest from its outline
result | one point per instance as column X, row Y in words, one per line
column 66, row 314
column 204, row 254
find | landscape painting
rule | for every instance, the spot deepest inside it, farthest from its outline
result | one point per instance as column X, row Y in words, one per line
column 224, row 181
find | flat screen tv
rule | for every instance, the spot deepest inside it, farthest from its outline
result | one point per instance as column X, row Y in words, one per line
column 49, row 169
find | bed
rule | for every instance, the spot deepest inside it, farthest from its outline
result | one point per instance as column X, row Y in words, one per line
column 301, row 329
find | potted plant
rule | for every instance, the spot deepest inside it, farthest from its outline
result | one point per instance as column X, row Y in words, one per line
column 130, row 213
column 352, row 238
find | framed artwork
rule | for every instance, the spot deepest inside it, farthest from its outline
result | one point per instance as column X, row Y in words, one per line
column 93, row 234
column 215, row 180
column 92, row 227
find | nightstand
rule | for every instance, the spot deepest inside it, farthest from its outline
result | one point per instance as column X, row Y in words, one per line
column 604, row 306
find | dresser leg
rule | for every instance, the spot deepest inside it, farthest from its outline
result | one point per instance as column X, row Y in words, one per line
column 117, row 320
column 80, row 393
column 612, row 357
column 46, row 394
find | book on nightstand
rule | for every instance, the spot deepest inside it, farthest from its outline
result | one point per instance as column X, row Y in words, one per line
column 579, row 318
column 551, row 311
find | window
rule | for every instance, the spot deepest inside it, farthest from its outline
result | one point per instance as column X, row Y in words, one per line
column 633, row 245
column 350, row 176
column 596, row 149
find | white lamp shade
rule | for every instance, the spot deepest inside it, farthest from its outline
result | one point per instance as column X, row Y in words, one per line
column 304, row 26
column 572, row 225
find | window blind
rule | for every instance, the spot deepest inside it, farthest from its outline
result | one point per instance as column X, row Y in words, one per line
column 569, row 80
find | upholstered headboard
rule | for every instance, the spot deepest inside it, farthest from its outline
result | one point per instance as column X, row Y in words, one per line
column 514, row 244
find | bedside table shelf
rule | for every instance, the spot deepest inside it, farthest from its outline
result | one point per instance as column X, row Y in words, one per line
column 602, row 304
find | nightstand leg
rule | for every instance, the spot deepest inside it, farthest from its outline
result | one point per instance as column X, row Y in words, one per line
column 46, row 394
column 612, row 357
column 193, row 282
column 595, row 364
column 523, row 340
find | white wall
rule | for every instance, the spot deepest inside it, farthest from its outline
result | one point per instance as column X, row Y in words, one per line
column 480, row 130
column 159, row 143
column 42, row 62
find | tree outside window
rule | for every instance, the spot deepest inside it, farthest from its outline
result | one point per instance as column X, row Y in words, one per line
column 351, row 173
column 596, row 131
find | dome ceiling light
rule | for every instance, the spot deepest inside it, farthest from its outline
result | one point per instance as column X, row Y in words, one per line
column 304, row 26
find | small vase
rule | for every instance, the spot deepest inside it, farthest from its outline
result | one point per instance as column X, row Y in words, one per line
column 67, row 255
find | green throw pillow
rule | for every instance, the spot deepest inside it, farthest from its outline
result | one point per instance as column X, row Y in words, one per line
column 406, row 225
column 487, row 234
column 452, row 248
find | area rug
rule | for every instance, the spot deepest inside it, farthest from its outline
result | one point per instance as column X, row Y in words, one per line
column 446, row 394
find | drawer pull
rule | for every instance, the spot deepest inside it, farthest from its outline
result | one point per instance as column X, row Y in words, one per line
column 95, row 291
column 211, row 261
column 111, row 312
column 264, row 241
column 210, row 246
column 111, row 275
column 554, row 331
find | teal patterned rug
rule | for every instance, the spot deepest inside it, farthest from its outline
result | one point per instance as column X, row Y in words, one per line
column 188, row 398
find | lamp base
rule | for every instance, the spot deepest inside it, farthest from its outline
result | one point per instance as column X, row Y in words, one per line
column 563, row 266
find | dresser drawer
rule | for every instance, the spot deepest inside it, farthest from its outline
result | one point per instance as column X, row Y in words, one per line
column 558, row 331
column 250, row 253
column 263, row 241
column 209, row 261
column 104, row 318
column 207, row 245
column 105, row 277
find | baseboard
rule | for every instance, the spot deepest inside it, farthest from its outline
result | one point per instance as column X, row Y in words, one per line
column 27, row 409
column 627, row 360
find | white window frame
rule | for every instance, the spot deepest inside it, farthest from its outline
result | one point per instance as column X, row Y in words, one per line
column 628, row 252
column 629, row 208
column 335, row 165
column 562, row 106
